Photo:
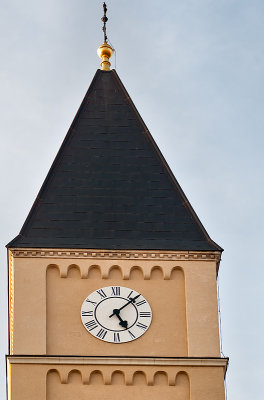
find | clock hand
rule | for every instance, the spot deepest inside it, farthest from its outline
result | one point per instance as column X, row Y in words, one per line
column 122, row 322
column 117, row 311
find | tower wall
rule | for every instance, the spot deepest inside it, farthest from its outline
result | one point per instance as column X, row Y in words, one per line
column 49, row 287
column 57, row 378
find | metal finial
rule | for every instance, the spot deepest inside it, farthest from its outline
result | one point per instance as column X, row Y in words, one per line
column 104, row 19
column 105, row 51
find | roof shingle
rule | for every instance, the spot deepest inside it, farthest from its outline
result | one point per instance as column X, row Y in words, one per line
column 109, row 186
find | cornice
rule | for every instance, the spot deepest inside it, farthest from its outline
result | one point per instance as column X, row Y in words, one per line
column 118, row 254
column 150, row 361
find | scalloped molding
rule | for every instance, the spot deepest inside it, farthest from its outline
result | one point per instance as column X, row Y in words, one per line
column 127, row 377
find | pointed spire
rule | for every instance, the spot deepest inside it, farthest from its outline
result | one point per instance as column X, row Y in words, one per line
column 105, row 51
column 110, row 187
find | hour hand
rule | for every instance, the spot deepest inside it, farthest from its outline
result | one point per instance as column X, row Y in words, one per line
column 122, row 322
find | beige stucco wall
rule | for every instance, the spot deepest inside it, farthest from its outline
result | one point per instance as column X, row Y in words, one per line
column 66, row 335
column 49, row 287
column 82, row 380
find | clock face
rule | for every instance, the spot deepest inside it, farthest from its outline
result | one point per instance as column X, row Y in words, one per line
column 116, row 314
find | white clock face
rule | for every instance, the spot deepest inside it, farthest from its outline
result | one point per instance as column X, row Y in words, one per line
column 116, row 314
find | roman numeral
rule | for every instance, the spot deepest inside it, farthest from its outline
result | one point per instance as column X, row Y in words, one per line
column 139, row 303
column 145, row 314
column 116, row 337
column 131, row 334
column 142, row 326
column 132, row 291
column 91, row 325
column 87, row 313
column 101, row 292
column 101, row 334
column 92, row 302
column 116, row 291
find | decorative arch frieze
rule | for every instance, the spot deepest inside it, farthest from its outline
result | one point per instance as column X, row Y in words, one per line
column 160, row 378
column 75, row 376
column 94, row 272
column 117, row 272
column 139, row 378
column 96, row 378
column 136, row 273
column 74, row 271
column 157, row 273
column 120, row 377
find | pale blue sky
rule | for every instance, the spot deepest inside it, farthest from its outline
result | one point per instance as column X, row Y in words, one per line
column 194, row 69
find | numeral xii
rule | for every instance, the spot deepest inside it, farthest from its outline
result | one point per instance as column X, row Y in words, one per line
column 116, row 291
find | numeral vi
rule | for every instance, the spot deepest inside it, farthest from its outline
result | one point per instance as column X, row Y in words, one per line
column 116, row 337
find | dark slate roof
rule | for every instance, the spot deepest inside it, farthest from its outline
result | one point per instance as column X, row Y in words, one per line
column 109, row 186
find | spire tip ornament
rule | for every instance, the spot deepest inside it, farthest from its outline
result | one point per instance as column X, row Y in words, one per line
column 105, row 51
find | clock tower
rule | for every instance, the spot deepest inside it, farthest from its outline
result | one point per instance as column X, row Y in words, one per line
column 112, row 278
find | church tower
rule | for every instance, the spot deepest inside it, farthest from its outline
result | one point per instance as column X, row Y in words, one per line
column 112, row 278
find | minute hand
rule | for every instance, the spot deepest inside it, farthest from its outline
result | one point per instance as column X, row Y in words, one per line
column 117, row 311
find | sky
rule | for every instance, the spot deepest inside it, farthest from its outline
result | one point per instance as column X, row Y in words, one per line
column 194, row 70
